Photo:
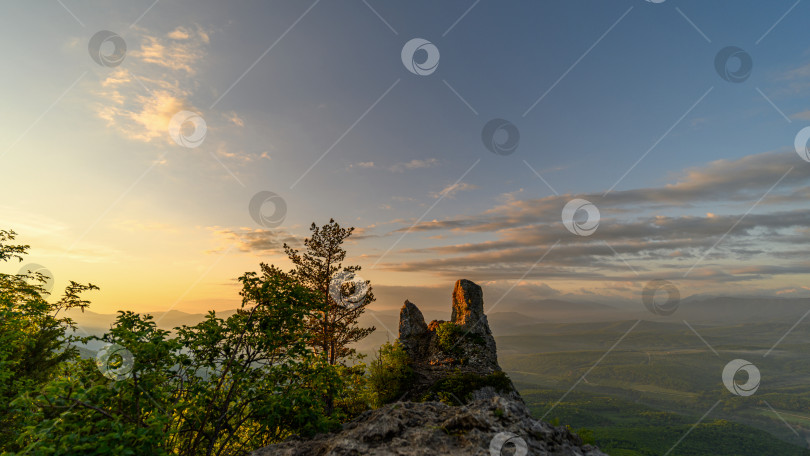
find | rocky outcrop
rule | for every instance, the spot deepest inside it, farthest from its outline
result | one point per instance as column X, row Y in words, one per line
column 411, row 322
column 461, row 349
column 459, row 401
column 486, row 427
column 468, row 305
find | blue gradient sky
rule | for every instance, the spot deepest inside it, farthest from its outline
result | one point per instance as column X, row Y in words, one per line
column 79, row 143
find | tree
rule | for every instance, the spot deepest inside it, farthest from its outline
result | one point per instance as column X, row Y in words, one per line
column 344, row 294
column 220, row 387
column 35, row 340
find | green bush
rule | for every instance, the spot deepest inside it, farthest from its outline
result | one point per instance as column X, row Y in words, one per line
column 448, row 334
column 457, row 389
column 389, row 374
column 449, row 337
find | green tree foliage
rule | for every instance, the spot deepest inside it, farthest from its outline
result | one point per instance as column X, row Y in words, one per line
column 317, row 268
column 35, row 341
column 225, row 386
column 220, row 387
column 389, row 374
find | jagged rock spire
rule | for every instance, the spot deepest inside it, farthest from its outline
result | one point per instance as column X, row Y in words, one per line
column 468, row 307
column 437, row 351
column 411, row 321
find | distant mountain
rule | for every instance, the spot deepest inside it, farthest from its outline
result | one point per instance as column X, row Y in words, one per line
column 735, row 309
column 528, row 318
column 558, row 310
column 559, row 304
column 95, row 323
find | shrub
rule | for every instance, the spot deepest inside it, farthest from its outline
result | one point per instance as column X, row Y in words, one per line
column 448, row 334
column 457, row 388
column 389, row 373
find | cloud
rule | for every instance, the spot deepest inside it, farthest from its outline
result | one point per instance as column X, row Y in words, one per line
column 259, row 241
column 451, row 190
column 413, row 164
column 661, row 232
column 804, row 115
column 723, row 181
column 138, row 101
column 183, row 49
column 234, row 118
column 365, row 165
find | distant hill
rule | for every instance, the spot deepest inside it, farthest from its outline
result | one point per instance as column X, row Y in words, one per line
column 725, row 309
column 95, row 323
column 531, row 319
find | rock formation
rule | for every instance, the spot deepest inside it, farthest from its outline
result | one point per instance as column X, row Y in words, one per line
column 454, row 362
column 495, row 426
column 462, row 348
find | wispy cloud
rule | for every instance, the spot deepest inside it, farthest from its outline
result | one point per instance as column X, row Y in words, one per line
column 180, row 50
column 139, row 100
column 259, row 241
column 413, row 164
column 451, row 190
column 661, row 230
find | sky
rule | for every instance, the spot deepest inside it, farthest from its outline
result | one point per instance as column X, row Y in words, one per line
column 160, row 149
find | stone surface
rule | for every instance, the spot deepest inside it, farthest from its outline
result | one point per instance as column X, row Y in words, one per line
column 472, row 349
column 468, row 305
column 421, row 426
column 417, row 429
column 411, row 321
